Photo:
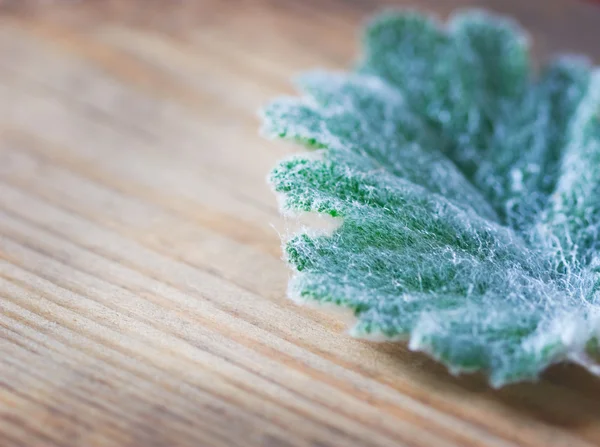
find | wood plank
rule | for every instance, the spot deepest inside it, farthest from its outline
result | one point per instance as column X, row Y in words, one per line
column 142, row 293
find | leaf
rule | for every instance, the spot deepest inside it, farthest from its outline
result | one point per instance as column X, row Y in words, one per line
column 467, row 189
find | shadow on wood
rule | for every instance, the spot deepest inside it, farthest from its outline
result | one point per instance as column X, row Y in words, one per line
column 566, row 396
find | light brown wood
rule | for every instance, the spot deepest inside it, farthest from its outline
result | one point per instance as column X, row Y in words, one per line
column 142, row 293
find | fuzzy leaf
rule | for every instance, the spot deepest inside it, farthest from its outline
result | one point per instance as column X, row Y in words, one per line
column 467, row 189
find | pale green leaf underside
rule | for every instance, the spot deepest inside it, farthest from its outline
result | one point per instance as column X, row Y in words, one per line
column 468, row 188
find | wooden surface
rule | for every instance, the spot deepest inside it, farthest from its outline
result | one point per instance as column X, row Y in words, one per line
column 142, row 293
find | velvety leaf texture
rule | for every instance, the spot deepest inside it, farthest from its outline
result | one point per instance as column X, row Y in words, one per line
column 467, row 187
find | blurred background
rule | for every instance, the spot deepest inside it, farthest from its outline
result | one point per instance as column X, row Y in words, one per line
column 183, row 80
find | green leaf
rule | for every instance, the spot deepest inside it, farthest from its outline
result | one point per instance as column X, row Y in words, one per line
column 467, row 191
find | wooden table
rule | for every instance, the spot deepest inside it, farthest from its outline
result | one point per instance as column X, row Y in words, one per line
column 142, row 293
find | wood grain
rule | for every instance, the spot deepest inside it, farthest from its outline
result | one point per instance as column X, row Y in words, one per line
column 142, row 293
